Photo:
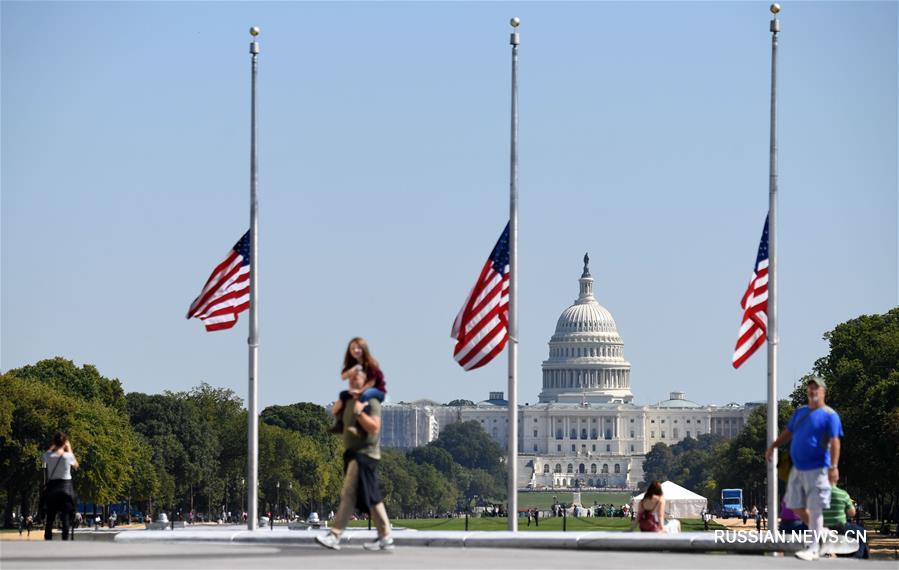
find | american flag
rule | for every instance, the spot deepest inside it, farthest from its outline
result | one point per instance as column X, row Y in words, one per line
column 481, row 327
column 227, row 291
column 755, row 306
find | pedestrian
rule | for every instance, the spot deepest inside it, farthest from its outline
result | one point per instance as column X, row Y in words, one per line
column 758, row 520
column 838, row 517
column 360, row 460
column 29, row 524
column 536, row 517
column 789, row 520
column 745, row 515
column 651, row 509
column 21, row 521
column 59, row 494
column 358, row 358
column 814, row 433
column 529, row 517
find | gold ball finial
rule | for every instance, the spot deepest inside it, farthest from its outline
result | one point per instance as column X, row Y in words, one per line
column 515, row 22
column 775, row 8
column 254, row 31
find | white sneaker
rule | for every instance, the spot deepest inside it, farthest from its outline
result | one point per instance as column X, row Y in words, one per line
column 329, row 540
column 809, row 553
column 385, row 543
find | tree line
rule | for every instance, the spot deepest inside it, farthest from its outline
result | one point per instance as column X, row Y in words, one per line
column 187, row 451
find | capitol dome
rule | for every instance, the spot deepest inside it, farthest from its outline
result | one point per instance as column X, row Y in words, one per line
column 586, row 317
column 586, row 354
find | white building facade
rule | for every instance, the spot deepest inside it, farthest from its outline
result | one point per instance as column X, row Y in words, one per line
column 586, row 431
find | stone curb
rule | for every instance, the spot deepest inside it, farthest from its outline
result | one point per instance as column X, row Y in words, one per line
column 598, row 540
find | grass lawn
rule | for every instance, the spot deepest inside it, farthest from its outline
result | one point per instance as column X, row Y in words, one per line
column 543, row 500
column 552, row 523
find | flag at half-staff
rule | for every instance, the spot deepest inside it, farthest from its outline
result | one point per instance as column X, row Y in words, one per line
column 481, row 327
column 227, row 291
column 753, row 330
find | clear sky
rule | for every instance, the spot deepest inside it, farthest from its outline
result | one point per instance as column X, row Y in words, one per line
column 384, row 164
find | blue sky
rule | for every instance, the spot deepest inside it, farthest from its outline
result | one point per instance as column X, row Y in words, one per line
column 384, row 148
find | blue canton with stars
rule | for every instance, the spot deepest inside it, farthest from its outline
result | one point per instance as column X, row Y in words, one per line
column 500, row 254
column 763, row 245
column 242, row 247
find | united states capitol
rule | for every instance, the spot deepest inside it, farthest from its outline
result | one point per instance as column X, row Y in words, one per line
column 586, row 431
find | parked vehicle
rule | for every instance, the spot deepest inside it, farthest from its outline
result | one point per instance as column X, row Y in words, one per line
column 731, row 503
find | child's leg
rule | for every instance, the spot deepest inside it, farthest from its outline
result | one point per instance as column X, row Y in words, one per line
column 370, row 393
column 338, row 408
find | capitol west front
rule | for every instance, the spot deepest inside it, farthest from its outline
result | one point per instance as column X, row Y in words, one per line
column 586, row 431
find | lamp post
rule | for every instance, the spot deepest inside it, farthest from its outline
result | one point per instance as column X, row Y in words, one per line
column 290, row 494
column 243, row 482
column 277, row 498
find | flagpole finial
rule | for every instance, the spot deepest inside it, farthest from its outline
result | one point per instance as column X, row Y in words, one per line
column 254, row 45
column 515, row 39
column 775, row 8
column 515, row 22
column 775, row 23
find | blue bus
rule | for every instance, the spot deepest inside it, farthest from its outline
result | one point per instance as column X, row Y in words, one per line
column 731, row 503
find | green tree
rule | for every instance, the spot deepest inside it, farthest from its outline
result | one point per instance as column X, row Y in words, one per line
column 399, row 486
column 436, row 456
column 741, row 462
column 470, row 446
column 35, row 404
column 321, row 473
column 479, row 483
column 694, row 462
column 435, row 493
column 302, row 417
column 83, row 383
column 862, row 375
column 658, row 463
column 460, row 402
column 185, row 446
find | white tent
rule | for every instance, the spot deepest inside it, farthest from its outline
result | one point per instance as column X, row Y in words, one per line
column 680, row 503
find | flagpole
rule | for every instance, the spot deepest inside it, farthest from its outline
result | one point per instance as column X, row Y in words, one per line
column 253, row 340
column 773, row 503
column 512, row 510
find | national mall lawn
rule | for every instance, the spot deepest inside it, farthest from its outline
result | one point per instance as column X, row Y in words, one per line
column 572, row 524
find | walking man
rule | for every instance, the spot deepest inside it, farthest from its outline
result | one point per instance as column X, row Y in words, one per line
column 360, row 484
column 814, row 433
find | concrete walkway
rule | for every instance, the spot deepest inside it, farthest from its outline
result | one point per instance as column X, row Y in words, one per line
column 602, row 540
column 186, row 556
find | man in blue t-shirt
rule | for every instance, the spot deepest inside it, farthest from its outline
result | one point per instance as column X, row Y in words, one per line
column 814, row 433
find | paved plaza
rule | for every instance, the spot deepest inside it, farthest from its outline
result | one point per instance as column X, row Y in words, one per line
column 101, row 555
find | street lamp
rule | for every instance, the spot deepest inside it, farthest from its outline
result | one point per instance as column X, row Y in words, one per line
column 242, row 485
column 278, row 497
column 290, row 494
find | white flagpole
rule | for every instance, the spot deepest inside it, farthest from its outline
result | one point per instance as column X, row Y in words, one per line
column 512, row 511
column 253, row 340
column 773, row 339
